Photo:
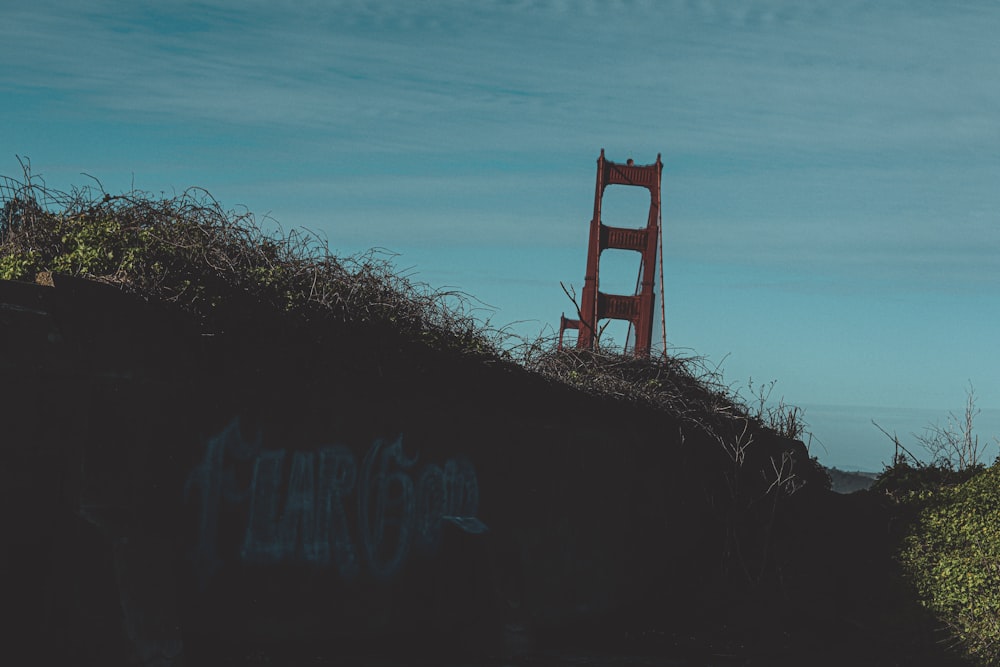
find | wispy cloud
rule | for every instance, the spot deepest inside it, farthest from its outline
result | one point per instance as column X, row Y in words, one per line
column 704, row 76
column 791, row 128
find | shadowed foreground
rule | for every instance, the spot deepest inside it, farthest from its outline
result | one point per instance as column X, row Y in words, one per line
column 220, row 450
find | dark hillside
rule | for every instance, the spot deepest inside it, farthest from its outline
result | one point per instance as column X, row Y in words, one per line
column 220, row 442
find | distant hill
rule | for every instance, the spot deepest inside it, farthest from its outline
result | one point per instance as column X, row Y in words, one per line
column 843, row 481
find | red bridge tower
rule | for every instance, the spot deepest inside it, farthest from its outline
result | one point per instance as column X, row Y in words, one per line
column 638, row 309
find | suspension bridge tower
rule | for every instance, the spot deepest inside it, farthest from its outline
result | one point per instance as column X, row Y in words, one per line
column 639, row 309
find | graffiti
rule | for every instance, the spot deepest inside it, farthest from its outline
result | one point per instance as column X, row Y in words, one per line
column 216, row 485
column 386, row 502
column 311, row 524
column 299, row 504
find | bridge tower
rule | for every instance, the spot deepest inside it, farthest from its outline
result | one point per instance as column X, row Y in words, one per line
column 638, row 309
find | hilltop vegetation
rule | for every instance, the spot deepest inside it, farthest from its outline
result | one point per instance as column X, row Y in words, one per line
column 191, row 253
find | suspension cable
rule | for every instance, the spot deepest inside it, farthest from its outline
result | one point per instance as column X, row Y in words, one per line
column 663, row 297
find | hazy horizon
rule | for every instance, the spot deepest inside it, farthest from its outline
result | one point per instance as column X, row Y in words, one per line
column 845, row 437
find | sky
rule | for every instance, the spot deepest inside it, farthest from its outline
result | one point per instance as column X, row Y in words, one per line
column 830, row 182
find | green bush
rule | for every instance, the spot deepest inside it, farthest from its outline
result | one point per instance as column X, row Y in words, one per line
column 952, row 556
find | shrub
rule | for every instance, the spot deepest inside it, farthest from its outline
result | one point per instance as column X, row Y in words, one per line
column 952, row 556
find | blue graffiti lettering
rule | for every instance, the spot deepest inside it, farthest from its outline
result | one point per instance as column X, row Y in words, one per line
column 432, row 504
column 338, row 473
column 386, row 507
column 301, row 516
column 216, row 483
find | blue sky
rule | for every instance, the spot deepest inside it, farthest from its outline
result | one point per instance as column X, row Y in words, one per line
column 831, row 168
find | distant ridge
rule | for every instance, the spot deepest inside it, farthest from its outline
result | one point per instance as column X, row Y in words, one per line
column 843, row 481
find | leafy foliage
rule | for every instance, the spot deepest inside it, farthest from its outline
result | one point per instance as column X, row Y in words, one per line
column 952, row 555
column 955, row 453
column 906, row 478
column 189, row 251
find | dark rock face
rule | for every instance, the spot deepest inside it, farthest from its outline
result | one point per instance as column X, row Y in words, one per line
column 171, row 493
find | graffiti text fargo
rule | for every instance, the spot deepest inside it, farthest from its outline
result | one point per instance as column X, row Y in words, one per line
column 322, row 507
